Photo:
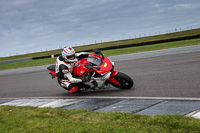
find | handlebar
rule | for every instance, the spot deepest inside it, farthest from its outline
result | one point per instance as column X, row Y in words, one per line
column 97, row 51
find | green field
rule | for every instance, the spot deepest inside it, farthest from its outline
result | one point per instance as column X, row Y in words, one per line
column 152, row 47
column 108, row 44
column 106, row 53
column 48, row 120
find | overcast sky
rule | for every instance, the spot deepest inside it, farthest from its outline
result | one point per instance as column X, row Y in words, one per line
column 35, row 25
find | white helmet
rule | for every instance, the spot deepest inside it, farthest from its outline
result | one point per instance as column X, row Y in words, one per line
column 68, row 54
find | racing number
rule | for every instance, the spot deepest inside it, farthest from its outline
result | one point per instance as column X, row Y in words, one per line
column 105, row 64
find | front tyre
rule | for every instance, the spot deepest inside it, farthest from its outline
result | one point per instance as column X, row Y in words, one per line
column 125, row 81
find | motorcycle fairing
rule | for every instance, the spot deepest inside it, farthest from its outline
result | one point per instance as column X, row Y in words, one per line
column 101, row 66
column 112, row 79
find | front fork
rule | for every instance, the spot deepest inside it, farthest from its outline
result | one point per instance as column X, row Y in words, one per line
column 112, row 79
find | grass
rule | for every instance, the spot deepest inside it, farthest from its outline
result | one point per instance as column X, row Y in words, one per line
column 27, row 63
column 108, row 44
column 32, row 119
column 151, row 47
column 106, row 53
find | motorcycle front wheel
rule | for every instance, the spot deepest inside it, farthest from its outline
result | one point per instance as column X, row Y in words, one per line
column 125, row 81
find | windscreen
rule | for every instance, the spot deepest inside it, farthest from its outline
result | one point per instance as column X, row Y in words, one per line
column 94, row 61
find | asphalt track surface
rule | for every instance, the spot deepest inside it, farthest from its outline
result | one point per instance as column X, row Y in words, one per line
column 163, row 75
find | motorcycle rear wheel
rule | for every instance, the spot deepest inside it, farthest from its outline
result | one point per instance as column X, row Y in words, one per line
column 125, row 81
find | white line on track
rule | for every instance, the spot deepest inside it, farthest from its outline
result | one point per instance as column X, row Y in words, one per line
column 115, row 97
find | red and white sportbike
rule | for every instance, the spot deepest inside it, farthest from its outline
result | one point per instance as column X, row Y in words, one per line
column 101, row 70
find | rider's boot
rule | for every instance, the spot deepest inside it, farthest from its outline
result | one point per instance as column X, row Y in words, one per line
column 69, row 86
column 65, row 84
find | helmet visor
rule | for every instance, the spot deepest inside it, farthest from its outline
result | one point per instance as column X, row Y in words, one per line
column 71, row 57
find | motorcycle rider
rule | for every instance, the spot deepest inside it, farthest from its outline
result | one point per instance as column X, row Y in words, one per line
column 64, row 69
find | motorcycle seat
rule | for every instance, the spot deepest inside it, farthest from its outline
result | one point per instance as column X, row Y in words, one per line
column 52, row 67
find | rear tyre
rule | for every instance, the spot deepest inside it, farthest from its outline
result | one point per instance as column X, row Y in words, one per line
column 125, row 81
